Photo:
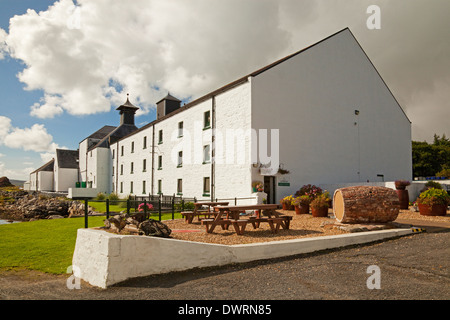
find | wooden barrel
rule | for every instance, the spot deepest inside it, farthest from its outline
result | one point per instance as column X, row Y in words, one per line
column 362, row 204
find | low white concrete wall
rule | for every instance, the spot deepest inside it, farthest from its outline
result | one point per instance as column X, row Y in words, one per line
column 104, row 258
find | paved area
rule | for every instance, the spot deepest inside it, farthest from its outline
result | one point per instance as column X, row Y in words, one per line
column 411, row 267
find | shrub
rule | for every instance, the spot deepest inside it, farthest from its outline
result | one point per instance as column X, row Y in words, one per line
column 113, row 198
column 434, row 196
column 310, row 190
column 188, row 206
column 321, row 201
column 301, row 200
column 430, row 185
column 100, row 196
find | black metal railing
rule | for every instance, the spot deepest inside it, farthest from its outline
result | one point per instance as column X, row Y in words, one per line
column 159, row 204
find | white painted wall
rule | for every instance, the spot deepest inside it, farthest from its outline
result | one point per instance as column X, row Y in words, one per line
column 45, row 181
column 103, row 259
column 312, row 97
column 233, row 175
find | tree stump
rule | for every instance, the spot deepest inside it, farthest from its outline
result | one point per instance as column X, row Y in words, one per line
column 362, row 204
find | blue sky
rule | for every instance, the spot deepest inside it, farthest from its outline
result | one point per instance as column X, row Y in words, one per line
column 79, row 59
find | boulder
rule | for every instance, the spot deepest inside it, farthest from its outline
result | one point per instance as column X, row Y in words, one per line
column 155, row 228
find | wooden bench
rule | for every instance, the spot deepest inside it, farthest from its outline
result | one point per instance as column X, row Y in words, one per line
column 274, row 223
column 210, row 223
column 287, row 221
column 239, row 225
column 189, row 215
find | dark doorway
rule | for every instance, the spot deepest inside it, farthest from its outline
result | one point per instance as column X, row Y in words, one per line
column 269, row 188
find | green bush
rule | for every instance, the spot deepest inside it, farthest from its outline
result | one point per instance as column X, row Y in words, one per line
column 434, row 196
column 188, row 206
column 113, row 198
column 100, row 196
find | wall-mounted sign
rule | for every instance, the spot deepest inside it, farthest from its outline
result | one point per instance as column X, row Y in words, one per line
column 284, row 184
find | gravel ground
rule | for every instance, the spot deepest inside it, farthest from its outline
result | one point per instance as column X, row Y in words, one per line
column 301, row 226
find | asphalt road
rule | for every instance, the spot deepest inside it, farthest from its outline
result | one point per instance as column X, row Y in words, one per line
column 414, row 267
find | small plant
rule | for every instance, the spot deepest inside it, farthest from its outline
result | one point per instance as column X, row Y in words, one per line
column 434, row 196
column 310, row 190
column 401, row 184
column 301, row 200
column 100, row 196
column 431, row 184
column 142, row 206
column 321, row 201
column 113, row 198
column 260, row 187
column 287, row 202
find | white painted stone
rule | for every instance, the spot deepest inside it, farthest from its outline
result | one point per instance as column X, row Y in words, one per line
column 105, row 258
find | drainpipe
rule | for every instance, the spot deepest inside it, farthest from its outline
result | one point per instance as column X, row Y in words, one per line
column 213, row 149
column 153, row 160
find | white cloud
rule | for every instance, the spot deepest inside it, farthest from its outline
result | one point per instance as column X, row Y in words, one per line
column 3, row 46
column 86, row 57
column 49, row 107
column 35, row 139
column 78, row 53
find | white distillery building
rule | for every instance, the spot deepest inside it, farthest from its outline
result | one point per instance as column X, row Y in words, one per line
column 322, row 115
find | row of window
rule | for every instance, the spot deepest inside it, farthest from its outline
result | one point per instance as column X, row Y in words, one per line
column 206, row 187
column 206, row 125
column 206, row 159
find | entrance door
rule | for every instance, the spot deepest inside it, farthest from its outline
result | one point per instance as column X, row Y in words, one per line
column 269, row 188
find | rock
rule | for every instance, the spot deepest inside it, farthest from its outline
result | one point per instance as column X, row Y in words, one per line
column 155, row 228
column 4, row 182
column 55, row 217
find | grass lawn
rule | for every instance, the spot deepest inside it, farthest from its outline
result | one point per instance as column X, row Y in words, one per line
column 44, row 245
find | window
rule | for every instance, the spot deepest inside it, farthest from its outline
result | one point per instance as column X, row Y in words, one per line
column 144, row 143
column 132, row 147
column 121, row 151
column 206, row 186
column 180, row 159
column 143, row 187
column 132, row 167
column 206, row 154
column 207, row 120
column 114, row 151
column 144, row 165
column 121, row 187
column 160, row 137
column 131, row 187
column 121, row 169
column 159, row 162
column 159, row 186
column 180, row 129
column 113, row 172
column 180, row 187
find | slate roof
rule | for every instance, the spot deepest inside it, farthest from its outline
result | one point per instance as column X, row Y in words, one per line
column 67, row 158
column 169, row 97
column 101, row 133
column 46, row 167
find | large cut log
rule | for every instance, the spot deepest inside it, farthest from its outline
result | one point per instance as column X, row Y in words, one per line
column 362, row 204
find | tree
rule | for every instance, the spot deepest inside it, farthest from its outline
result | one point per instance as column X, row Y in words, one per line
column 430, row 159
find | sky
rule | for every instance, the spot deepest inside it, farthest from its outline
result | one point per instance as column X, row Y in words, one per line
column 66, row 65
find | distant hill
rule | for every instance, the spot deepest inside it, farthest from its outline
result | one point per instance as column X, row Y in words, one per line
column 5, row 182
column 18, row 183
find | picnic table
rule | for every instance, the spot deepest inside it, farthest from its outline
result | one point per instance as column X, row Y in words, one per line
column 230, row 215
column 198, row 212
